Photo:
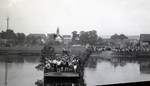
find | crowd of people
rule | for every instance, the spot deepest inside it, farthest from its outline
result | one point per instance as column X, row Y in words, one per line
column 96, row 49
column 62, row 63
column 132, row 50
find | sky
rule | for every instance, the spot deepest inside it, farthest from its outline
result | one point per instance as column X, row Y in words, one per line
column 107, row 17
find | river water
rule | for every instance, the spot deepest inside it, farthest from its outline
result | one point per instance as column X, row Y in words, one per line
column 108, row 72
column 98, row 71
column 21, row 72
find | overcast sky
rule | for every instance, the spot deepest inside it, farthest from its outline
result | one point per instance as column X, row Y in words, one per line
column 130, row 17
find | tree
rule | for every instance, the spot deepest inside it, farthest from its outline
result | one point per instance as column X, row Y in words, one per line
column 75, row 37
column 83, row 38
column 122, row 36
column 92, row 37
column 119, row 37
column 31, row 40
column 100, row 41
column 20, row 38
column 89, row 37
column 115, row 36
column 10, row 36
column 118, row 40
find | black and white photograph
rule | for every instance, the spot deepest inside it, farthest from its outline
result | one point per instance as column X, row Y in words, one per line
column 74, row 42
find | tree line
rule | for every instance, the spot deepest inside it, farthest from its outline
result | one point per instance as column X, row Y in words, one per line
column 82, row 38
column 10, row 38
column 85, row 37
column 92, row 38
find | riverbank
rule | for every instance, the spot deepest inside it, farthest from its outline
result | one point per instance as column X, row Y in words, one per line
column 36, row 50
column 21, row 50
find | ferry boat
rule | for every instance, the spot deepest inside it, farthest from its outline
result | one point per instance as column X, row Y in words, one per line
column 60, row 65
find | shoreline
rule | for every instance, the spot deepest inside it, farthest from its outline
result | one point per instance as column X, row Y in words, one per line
column 21, row 50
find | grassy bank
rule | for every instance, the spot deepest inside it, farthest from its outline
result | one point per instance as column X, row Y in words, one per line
column 21, row 50
column 36, row 50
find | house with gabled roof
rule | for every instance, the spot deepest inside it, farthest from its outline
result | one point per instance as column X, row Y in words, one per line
column 145, row 38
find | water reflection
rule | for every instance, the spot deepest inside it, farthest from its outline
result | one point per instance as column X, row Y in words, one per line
column 64, row 82
column 19, row 59
column 120, row 62
column 12, row 58
column 116, row 70
column 92, row 63
column 98, row 71
column 39, row 83
column 21, row 70
column 145, row 67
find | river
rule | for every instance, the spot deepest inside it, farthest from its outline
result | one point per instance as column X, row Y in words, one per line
column 21, row 72
column 97, row 71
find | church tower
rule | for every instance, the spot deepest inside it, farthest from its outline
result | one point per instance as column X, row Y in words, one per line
column 59, row 37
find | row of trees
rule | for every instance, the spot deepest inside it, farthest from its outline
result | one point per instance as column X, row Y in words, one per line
column 9, row 37
column 119, row 37
column 13, row 38
column 91, row 38
column 119, row 40
column 86, row 37
column 83, row 38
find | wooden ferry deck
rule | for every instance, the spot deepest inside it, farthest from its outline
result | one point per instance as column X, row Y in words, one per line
column 61, row 74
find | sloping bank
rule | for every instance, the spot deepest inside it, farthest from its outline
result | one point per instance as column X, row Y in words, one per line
column 84, row 57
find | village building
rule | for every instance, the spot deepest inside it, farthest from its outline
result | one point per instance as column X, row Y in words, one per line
column 145, row 39
column 59, row 37
column 65, row 39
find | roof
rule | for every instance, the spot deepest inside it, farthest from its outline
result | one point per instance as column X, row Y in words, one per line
column 67, row 37
column 145, row 37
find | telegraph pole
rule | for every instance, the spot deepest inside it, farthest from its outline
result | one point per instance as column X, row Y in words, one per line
column 7, row 23
column 6, row 58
